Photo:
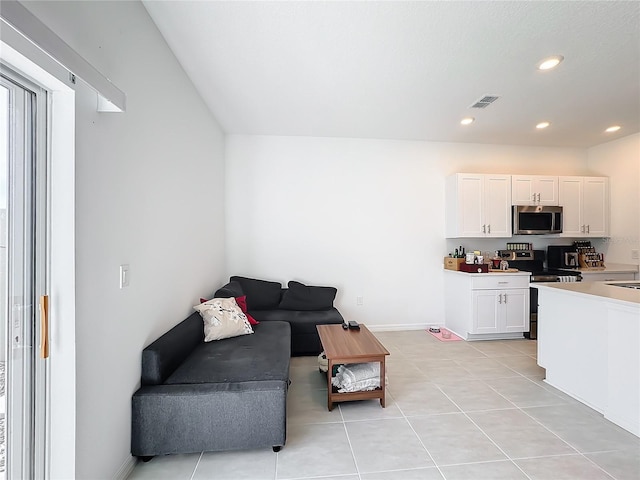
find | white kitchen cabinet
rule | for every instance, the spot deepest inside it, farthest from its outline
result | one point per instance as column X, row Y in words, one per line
column 487, row 306
column 478, row 205
column 500, row 311
column 534, row 190
column 585, row 202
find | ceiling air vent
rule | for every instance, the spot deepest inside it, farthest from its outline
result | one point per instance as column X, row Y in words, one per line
column 485, row 101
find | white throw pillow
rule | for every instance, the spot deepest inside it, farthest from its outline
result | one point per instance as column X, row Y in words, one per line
column 223, row 318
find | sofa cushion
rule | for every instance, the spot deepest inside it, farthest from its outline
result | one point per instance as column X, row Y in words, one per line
column 231, row 289
column 223, row 318
column 261, row 294
column 259, row 357
column 302, row 322
column 303, row 297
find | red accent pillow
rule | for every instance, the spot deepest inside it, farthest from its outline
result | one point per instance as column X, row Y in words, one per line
column 242, row 303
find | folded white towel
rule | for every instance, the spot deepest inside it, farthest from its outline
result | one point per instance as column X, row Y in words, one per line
column 357, row 377
column 362, row 385
column 356, row 372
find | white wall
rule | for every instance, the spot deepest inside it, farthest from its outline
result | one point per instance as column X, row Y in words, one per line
column 620, row 161
column 149, row 193
column 366, row 216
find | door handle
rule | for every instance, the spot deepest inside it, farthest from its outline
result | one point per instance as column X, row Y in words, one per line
column 44, row 326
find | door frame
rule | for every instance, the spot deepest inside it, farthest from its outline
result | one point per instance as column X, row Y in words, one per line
column 61, row 406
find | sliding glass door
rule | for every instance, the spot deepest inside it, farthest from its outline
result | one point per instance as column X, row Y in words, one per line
column 23, row 277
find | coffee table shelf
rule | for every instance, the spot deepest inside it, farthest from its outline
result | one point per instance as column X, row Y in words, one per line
column 352, row 346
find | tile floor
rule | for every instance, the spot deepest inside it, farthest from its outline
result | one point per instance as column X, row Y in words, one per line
column 455, row 410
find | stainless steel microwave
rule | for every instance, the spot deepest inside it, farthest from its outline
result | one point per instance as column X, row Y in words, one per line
column 536, row 219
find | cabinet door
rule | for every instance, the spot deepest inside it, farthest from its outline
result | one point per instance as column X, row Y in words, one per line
column 515, row 310
column 485, row 311
column 534, row 190
column 497, row 206
column 596, row 206
column 469, row 212
column 570, row 198
column 546, row 190
column 522, row 190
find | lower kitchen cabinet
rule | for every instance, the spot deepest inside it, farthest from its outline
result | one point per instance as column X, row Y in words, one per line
column 487, row 306
column 500, row 311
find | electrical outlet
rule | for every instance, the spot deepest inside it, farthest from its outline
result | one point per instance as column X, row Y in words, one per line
column 634, row 254
column 359, row 301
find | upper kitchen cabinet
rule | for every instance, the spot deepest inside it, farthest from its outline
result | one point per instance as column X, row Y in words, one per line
column 585, row 202
column 478, row 205
column 534, row 190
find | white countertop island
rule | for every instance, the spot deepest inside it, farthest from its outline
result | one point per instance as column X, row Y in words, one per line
column 589, row 344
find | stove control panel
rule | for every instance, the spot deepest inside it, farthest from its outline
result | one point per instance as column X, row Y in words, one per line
column 511, row 255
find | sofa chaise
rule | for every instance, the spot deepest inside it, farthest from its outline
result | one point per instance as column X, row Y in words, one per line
column 222, row 395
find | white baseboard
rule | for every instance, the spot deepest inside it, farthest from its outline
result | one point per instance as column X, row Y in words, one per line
column 394, row 327
column 126, row 468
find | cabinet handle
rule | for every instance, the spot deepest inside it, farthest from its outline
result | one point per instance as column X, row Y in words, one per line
column 505, row 298
column 499, row 298
column 588, row 229
column 582, row 229
column 489, row 228
column 538, row 198
column 534, row 198
column 484, row 229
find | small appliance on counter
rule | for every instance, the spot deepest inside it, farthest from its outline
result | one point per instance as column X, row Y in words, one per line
column 562, row 256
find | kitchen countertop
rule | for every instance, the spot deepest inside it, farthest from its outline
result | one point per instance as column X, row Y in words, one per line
column 490, row 273
column 604, row 290
column 611, row 268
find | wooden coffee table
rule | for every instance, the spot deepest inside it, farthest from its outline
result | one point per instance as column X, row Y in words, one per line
column 352, row 346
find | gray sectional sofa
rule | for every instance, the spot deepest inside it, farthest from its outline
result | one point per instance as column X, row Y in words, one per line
column 227, row 394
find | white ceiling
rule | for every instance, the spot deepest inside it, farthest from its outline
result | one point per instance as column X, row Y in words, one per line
column 411, row 70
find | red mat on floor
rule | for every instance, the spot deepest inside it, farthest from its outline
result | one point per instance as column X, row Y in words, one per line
column 453, row 338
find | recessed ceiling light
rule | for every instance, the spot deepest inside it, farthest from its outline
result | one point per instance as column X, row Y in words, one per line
column 613, row 128
column 549, row 63
column 467, row 121
column 542, row 125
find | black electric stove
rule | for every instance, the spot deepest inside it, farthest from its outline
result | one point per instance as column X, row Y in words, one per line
column 533, row 261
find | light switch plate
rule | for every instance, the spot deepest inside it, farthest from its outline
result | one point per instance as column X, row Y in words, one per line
column 124, row 276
